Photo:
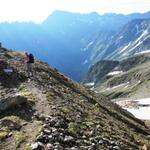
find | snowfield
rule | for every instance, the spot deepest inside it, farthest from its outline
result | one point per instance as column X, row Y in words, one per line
column 140, row 108
column 114, row 73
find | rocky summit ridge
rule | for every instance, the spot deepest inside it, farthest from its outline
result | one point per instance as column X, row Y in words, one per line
column 50, row 111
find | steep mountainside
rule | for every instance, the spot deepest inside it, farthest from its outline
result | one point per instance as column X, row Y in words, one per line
column 64, row 39
column 133, row 38
column 99, row 70
column 129, row 79
column 104, row 68
column 50, row 111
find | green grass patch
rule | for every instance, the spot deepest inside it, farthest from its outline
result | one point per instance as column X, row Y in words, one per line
column 67, row 109
column 28, row 147
column 19, row 137
column 73, row 129
column 3, row 135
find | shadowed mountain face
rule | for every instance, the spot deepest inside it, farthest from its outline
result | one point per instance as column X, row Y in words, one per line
column 67, row 41
column 129, row 79
column 99, row 70
column 60, row 113
column 133, row 38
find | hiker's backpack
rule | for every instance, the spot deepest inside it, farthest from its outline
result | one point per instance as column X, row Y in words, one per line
column 31, row 58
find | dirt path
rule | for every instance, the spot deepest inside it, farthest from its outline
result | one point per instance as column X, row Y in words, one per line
column 41, row 103
column 41, row 107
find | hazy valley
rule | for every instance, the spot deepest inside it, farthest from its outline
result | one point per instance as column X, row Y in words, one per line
column 109, row 109
column 71, row 42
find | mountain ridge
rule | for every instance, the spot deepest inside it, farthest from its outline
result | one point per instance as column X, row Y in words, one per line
column 129, row 79
column 131, row 39
column 76, row 37
column 62, row 114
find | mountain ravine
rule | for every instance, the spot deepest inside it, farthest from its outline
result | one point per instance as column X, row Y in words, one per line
column 72, row 41
column 128, row 78
column 52, row 112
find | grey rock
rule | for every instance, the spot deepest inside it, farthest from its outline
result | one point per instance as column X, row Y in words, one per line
column 39, row 137
column 148, row 137
column 60, row 139
column 11, row 101
column 101, row 142
column 10, row 134
column 56, row 134
column 54, row 130
column 47, row 131
column 113, row 143
column 58, row 147
column 37, row 146
column 74, row 148
column 69, row 140
column 50, row 136
column 106, row 140
column 52, row 122
column 50, row 146
column 34, row 146
column 116, row 148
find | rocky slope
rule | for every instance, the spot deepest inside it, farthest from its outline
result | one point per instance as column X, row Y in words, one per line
column 128, row 79
column 58, row 113
column 99, row 70
column 103, row 67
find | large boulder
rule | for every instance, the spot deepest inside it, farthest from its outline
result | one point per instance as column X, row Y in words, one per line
column 10, row 102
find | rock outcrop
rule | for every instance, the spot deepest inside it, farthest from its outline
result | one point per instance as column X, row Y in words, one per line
column 10, row 102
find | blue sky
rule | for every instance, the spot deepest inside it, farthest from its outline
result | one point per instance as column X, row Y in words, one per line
column 38, row 10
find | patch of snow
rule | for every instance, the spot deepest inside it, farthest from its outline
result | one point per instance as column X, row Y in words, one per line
column 120, row 37
column 125, row 85
column 92, row 88
column 89, row 84
column 139, row 82
column 143, row 52
column 87, row 47
column 141, row 112
column 85, row 62
column 114, row 73
column 141, row 36
column 125, row 47
column 144, row 101
column 135, row 46
column 137, row 29
column 139, row 40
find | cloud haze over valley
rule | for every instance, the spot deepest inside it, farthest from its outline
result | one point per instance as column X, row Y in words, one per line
column 38, row 10
column 91, row 59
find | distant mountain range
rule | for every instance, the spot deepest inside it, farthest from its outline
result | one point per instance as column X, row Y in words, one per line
column 51, row 111
column 98, row 72
column 71, row 42
column 132, row 39
column 128, row 78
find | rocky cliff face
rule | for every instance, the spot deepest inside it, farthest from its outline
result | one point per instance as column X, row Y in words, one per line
column 104, row 69
column 58, row 113
column 129, row 79
column 99, row 70
column 132, row 39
